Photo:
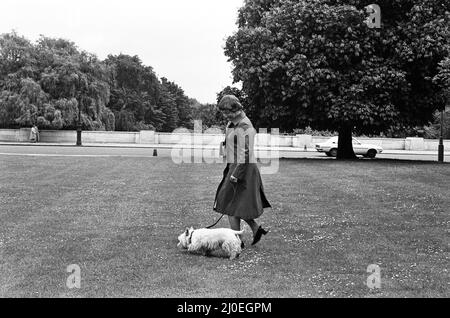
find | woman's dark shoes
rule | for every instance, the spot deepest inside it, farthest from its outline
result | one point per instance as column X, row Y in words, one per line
column 258, row 235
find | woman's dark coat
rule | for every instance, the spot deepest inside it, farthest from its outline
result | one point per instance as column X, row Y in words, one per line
column 244, row 199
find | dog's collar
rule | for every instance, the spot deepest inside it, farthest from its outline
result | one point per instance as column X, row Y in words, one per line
column 190, row 237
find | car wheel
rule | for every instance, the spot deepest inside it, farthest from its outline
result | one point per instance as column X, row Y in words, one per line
column 333, row 152
column 328, row 154
column 371, row 153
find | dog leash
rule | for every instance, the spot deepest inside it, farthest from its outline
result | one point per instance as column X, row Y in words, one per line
column 234, row 195
column 208, row 227
column 234, row 189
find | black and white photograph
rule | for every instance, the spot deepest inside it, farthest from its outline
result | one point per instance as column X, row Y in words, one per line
column 240, row 152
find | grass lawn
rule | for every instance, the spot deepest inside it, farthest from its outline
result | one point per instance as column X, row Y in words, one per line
column 118, row 219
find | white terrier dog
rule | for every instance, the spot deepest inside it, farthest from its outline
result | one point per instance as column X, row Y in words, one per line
column 207, row 240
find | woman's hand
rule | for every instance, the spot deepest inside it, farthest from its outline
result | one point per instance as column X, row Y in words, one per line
column 233, row 179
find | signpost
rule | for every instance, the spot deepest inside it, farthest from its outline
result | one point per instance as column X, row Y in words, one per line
column 441, row 139
column 79, row 127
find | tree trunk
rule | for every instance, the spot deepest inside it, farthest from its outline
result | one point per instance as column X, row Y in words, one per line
column 345, row 146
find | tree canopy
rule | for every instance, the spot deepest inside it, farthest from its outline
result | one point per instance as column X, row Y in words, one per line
column 317, row 63
column 48, row 82
column 45, row 84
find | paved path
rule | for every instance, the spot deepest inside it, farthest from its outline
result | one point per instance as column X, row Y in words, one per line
column 140, row 150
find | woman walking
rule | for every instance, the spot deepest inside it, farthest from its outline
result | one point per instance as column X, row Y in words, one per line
column 240, row 195
column 34, row 134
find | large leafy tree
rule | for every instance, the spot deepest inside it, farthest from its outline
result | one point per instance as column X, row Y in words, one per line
column 182, row 103
column 443, row 80
column 207, row 114
column 48, row 82
column 141, row 101
column 134, row 94
column 317, row 63
column 20, row 95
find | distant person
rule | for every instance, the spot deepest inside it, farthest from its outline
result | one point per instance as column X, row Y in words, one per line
column 240, row 195
column 34, row 134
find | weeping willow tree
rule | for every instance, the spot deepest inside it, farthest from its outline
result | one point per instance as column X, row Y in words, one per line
column 48, row 82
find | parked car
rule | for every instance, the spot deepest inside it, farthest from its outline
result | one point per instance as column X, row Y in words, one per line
column 330, row 148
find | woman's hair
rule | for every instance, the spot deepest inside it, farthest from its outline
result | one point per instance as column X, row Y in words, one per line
column 230, row 102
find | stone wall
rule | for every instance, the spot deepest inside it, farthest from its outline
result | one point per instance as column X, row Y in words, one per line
column 155, row 138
